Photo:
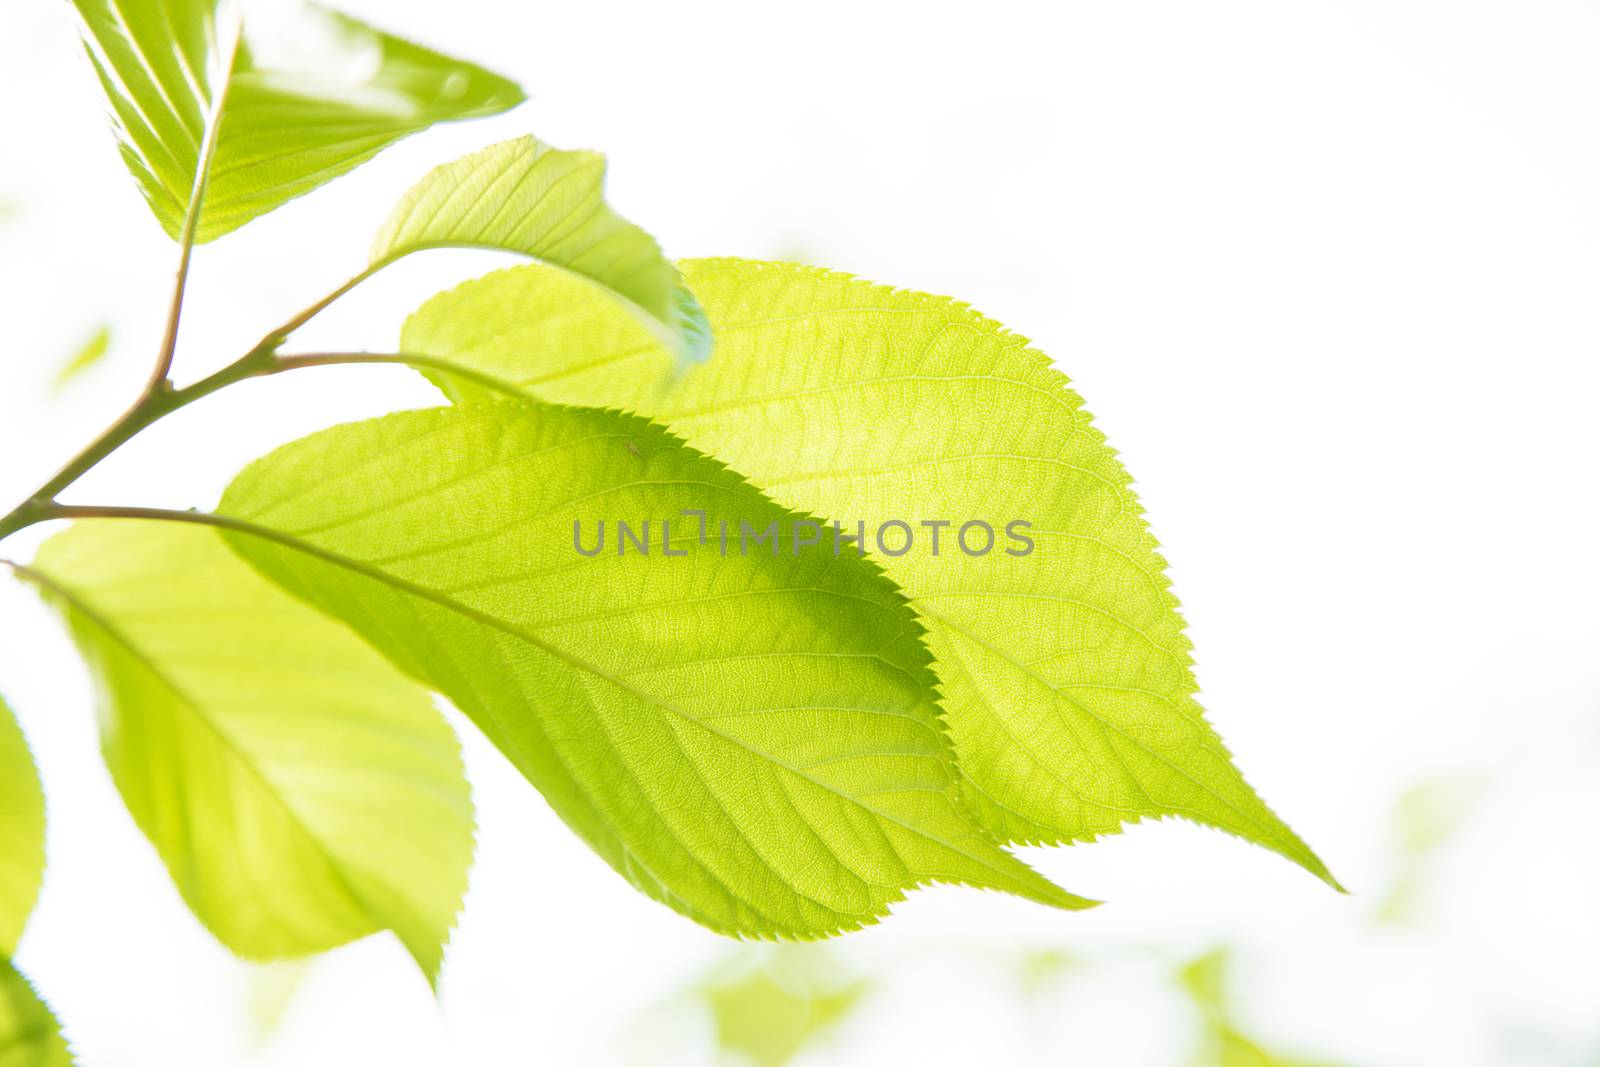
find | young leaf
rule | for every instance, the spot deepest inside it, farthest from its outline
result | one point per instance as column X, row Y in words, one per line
column 526, row 197
column 21, row 832
column 256, row 125
column 301, row 793
column 1066, row 673
column 750, row 739
column 30, row 1036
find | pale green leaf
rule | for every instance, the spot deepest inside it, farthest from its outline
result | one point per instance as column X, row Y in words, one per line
column 87, row 356
column 301, row 793
column 21, row 832
column 1066, row 672
column 525, row 197
column 301, row 103
column 752, row 740
column 30, row 1036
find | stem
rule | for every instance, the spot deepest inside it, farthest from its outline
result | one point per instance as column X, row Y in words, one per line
column 106, row 511
column 151, row 407
column 282, row 333
column 407, row 359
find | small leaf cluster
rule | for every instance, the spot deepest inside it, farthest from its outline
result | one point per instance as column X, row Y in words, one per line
column 775, row 745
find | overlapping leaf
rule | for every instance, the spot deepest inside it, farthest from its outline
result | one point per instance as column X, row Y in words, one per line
column 1066, row 673
column 751, row 739
column 30, row 1036
column 21, row 832
column 301, row 793
column 297, row 108
column 526, row 197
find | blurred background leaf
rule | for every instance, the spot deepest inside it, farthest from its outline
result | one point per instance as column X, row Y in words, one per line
column 770, row 1005
column 87, row 356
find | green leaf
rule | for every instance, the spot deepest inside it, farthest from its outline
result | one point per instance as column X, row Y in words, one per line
column 1066, row 673
column 253, row 126
column 30, row 1036
column 750, row 739
column 21, row 832
column 88, row 354
column 525, row 197
column 301, row 793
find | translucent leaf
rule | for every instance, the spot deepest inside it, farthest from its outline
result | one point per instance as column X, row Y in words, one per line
column 750, row 739
column 301, row 103
column 526, row 197
column 301, row 792
column 29, row 1033
column 21, row 832
column 1066, row 672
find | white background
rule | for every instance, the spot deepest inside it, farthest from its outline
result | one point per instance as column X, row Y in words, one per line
column 1327, row 272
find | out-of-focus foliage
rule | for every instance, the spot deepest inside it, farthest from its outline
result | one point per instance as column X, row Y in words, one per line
column 87, row 356
column 30, row 1036
column 1223, row 1042
column 768, row 1006
column 1426, row 817
column 272, row 988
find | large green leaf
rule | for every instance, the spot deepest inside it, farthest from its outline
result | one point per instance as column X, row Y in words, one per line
column 301, row 792
column 751, row 739
column 29, row 1033
column 300, row 104
column 1066, row 673
column 525, row 197
column 21, row 832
